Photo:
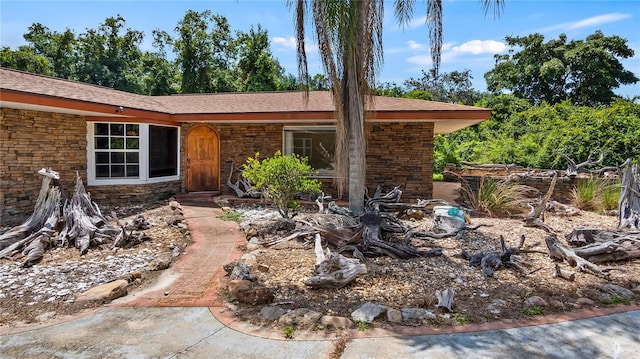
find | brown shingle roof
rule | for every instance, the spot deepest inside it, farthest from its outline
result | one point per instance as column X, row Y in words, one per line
column 272, row 103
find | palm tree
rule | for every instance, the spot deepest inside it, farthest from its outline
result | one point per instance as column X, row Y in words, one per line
column 349, row 34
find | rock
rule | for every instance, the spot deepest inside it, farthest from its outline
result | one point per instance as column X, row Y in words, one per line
column 241, row 271
column 585, row 301
column 535, row 301
column 249, row 293
column 249, row 259
column 611, row 291
column 394, row 315
column 368, row 312
column 637, row 289
column 271, row 313
column 495, row 305
column 555, row 303
column 336, row 322
column 263, row 268
column 106, row 292
column 161, row 262
column 253, row 244
column 416, row 313
column 300, row 318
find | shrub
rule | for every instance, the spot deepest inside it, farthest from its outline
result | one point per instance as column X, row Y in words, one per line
column 500, row 197
column 281, row 179
column 596, row 194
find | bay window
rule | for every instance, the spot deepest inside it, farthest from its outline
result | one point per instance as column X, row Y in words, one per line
column 131, row 153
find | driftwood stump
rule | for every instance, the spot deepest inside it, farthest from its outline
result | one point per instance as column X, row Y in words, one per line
column 562, row 252
column 629, row 203
column 333, row 270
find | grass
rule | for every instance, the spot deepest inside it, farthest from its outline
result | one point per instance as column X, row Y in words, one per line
column 616, row 299
column 231, row 215
column 497, row 198
column 596, row 194
column 362, row 326
column 288, row 332
column 461, row 319
column 529, row 312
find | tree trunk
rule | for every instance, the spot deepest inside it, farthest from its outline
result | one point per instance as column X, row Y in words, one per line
column 629, row 203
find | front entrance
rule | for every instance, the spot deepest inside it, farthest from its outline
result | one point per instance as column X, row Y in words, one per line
column 203, row 167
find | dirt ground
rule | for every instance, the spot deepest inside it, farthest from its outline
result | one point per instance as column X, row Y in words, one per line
column 412, row 283
column 47, row 290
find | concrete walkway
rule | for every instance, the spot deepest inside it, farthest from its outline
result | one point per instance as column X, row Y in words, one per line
column 191, row 322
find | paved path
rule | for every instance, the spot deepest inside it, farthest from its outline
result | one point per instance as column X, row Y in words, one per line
column 190, row 322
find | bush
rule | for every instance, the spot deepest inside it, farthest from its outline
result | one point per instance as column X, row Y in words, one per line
column 500, row 198
column 281, row 179
column 596, row 194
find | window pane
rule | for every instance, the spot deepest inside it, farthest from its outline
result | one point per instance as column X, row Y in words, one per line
column 117, row 157
column 102, row 143
column 117, row 129
column 132, row 130
column 102, row 171
column 117, row 171
column 163, row 151
column 132, row 171
column 317, row 145
column 117, row 143
column 102, row 157
column 133, row 143
column 132, row 157
column 101, row 129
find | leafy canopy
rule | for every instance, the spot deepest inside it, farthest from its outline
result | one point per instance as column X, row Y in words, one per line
column 585, row 72
column 281, row 179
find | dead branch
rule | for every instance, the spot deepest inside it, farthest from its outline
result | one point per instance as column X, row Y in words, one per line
column 535, row 218
column 559, row 251
column 333, row 270
column 445, row 298
column 573, row 169
column 629, row 202
column 490, row 262
column 247, row 191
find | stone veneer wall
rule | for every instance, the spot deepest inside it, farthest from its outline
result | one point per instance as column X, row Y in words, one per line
column 401, row 154
column 31, row 140
column 562, row 192
column 398, row 154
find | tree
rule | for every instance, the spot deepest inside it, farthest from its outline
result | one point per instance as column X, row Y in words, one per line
column 57, row 48
column 583, row 72
column 160, row 76
column 349, row 34
column 107, row 58
column 258, row 70
column 204, row 49
column 452, row 87
column 25, row 59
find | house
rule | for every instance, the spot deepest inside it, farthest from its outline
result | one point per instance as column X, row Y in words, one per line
column 131, row 148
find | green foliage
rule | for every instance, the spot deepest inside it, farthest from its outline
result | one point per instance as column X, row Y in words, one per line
column 532, row 135
column 453, row 87
column 585, row 72
column 460, row 318
column 439, row 177
column 615, row 299
column 596, row 194
column 281, row 179
column 362, row 326
column 533, row 311
column 231, row 215
column 498, row 198
column 288, row 332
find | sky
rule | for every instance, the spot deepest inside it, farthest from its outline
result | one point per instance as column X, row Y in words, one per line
column 470, row 38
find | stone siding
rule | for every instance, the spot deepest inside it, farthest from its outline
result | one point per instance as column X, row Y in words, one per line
column 401, row 154
column 29, row 141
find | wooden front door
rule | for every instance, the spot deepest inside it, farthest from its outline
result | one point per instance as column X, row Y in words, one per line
column 203, row 168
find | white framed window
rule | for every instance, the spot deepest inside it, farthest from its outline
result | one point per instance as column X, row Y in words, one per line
column 316, row 143
column 132, row 153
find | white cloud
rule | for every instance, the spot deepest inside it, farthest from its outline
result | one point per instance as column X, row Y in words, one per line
column 285, row 42
column 420, row 60
column 599, row 20
column 416, row 45
column 477, row 47
column 588, row 22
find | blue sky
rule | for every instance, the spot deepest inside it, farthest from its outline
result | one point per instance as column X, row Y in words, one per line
column 470, row 38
